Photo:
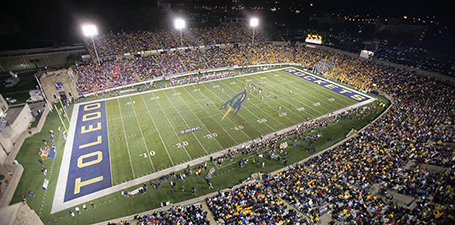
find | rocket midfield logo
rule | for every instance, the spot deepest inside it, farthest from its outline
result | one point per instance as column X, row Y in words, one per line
column 234, row 104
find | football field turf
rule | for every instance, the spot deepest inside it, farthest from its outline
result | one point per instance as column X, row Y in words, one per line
column 155, row 130
column 144, row 129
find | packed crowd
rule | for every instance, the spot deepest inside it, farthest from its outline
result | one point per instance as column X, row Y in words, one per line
column 391, row 154
column 252, row 204
column 344, row 41
column 410, row 56
column 92, row 77
column 191, row 215
column 409, row 135
column 417, row 58
column 111, row 44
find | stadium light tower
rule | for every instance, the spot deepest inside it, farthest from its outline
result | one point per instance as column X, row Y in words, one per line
column 90, row 30
column 179, row 25
column 254, row 22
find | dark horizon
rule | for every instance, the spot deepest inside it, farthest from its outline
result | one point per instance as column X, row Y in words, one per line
column 59, row 21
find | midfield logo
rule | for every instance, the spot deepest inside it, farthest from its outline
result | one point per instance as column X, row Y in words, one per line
column 234, row 104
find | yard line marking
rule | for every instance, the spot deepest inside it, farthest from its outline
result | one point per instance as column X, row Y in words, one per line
column 185, row 122
column 313, row 90
column 126, row 139
column 202, row 106
column 200, row 119
column 159, row 134
column 143, row 138
column 259, row 109
column 238, row 114
column 50, row 175
column 110, row 161
column 293, row 121
column 180, row 140
column 305, row 104
column 303, row 92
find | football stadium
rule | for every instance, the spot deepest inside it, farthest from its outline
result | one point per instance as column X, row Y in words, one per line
column 238, row 121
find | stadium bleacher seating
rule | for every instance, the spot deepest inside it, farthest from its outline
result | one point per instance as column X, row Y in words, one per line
column 391, row 154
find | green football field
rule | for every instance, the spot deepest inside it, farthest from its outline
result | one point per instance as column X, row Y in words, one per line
column 145, row 130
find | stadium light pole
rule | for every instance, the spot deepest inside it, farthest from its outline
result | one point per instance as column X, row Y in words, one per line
column 179, row 25
column 90, row 31
column 254, row 22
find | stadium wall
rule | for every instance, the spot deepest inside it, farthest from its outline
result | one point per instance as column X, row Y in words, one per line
column 19, row 214
column 24, row 59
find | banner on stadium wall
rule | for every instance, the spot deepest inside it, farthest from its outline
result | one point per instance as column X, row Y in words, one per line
column 314, row 39
column 366, row 54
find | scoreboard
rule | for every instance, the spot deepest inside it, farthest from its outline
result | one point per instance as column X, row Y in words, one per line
column 313, row 39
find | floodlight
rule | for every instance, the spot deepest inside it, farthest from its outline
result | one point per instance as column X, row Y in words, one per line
column 179, row 24
column 89, row 30
column 254, row 22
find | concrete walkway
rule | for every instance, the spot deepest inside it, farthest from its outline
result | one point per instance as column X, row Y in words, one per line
column 326, row 219
column 402, row 200
column 210, row 217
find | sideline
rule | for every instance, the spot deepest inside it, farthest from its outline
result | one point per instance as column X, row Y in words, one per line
column 59, row 204
column 200, row 199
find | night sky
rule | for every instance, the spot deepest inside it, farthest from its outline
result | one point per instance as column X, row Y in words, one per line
column 60, row 20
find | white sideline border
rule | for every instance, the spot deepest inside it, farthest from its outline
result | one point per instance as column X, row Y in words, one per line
column 58, row 203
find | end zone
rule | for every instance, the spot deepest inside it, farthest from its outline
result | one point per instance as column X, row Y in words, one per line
column 348, row 92
column 85, row 165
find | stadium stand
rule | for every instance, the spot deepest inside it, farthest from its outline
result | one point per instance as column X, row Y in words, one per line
column 417, row 58
column 356, row 181
column 410, row 56
column 111, row 44
column 252, row 204
column 193, row 214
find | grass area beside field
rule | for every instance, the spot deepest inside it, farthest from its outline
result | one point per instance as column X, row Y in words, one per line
column 32, row 177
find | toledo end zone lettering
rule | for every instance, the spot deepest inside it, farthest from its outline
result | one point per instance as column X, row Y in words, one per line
column 89, row 169
column 328, row 85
